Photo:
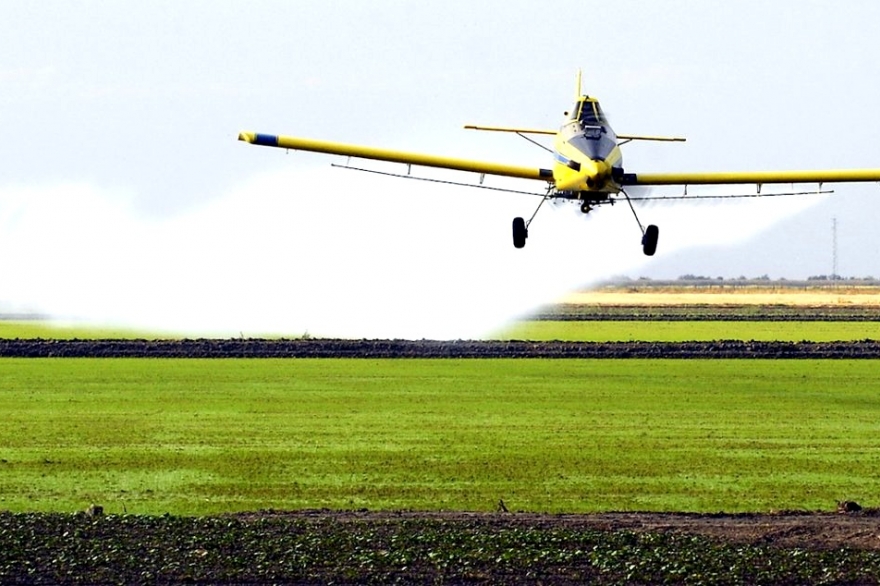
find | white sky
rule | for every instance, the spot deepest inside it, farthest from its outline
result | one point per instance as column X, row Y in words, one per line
column 125, row 198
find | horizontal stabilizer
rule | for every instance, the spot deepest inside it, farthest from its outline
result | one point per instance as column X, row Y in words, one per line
column 506, row 129
column 628, row 137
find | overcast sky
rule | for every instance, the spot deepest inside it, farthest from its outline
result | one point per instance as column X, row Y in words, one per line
column 125, row 198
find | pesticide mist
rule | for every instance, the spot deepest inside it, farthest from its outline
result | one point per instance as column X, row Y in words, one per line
column 284, row 254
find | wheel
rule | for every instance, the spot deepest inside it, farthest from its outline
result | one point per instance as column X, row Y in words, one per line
column 649, row 240
column 519, row 232
column 586, row 208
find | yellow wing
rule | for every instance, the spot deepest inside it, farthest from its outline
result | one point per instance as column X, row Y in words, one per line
column 365, row 152
column 757, row 177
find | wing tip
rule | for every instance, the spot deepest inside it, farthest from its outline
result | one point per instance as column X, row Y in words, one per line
column 259, row 138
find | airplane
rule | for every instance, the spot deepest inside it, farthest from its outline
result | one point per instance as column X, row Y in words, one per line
column 587, row 166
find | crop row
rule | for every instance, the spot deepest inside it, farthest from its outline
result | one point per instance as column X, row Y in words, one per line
column 826, row 313
column 322, row 348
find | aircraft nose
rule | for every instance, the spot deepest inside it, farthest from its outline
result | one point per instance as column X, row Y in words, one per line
column 598, row 175
column 591, row 175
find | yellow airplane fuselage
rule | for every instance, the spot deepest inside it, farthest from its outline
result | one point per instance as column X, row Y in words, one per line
column 587, row 155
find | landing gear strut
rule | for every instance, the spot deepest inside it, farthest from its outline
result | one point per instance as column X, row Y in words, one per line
column 649, row 234
column 521, row 227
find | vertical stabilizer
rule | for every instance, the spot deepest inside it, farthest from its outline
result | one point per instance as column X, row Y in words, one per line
column 579, row 89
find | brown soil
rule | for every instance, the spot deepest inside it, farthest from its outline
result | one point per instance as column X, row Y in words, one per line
column 787, row 529
column 336, row 547
column 256, row 348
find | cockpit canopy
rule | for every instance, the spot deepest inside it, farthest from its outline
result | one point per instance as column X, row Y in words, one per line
column 588, row 112
column 588, row 132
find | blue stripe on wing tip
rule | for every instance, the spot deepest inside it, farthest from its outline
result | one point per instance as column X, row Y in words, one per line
column 266, row 139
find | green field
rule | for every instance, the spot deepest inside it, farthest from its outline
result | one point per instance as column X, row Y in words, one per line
column 199, row 436
column 689, row 331
column 586, row 331
column 30, row 329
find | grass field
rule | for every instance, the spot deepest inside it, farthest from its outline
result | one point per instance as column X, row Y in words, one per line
column 684, row 331
column 198, row 436
column 46, row 329
column 586, row 331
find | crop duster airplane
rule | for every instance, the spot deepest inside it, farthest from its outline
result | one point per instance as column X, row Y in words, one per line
column 587, row 166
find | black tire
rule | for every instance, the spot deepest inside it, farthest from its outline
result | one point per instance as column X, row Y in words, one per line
column 519, row 232
column 649, row 240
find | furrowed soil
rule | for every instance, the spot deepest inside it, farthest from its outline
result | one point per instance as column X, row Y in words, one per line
column 260, row 348
column 362, row 547
column 708, row 312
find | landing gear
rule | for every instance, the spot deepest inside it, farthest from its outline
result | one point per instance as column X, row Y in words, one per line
column 649, row 234
column 521, row 227
column 649, row 240
column 520, row 232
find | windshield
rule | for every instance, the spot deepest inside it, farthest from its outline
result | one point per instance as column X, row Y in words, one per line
column 591, row 114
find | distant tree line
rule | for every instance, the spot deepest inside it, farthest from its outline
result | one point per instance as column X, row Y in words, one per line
column 690, row 277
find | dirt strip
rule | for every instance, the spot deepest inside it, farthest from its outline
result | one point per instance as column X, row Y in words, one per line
column 259, row 348
column 811, row 530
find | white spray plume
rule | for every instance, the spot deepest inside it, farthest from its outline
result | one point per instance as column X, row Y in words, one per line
column 330, row 254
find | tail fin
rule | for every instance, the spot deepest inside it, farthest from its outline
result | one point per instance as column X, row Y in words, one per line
column 579, row 89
